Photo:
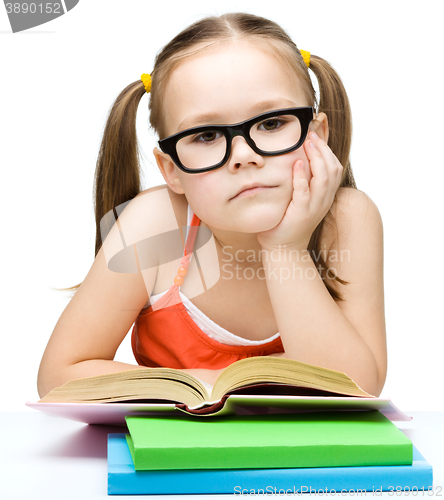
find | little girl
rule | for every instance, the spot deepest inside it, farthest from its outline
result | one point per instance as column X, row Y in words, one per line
column 294, row 265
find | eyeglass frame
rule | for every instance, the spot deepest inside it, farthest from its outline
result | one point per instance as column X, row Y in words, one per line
column 168, row 145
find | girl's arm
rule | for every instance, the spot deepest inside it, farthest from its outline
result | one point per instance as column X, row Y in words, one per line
column 347, row 336
column 93, row 324
column 99, row 316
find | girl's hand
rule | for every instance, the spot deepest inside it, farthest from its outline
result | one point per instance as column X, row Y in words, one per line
column 310, row 201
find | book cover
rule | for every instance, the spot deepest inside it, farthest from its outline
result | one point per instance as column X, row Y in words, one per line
column 317, row 439
column 114, row 413
column 123, row 479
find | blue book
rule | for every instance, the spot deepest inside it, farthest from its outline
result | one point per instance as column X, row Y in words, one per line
column 123, row 479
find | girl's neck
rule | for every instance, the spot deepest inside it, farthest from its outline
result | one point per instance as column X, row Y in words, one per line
column 237, row 248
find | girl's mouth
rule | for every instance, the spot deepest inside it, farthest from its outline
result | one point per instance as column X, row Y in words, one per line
column 252, row 191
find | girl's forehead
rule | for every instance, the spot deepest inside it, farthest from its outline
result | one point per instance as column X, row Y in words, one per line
column 228, row 83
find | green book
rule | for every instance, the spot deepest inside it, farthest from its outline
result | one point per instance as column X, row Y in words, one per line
column 315, row 439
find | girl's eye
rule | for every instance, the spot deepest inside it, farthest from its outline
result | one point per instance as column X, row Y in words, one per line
column 271, row 123
column 207, row 137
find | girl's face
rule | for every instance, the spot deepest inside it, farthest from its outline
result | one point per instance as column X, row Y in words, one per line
column 232, row 83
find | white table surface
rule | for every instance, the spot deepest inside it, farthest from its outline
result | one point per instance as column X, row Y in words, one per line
column 46, row 457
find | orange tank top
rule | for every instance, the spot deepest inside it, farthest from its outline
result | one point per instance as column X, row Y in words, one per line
column 164, row 334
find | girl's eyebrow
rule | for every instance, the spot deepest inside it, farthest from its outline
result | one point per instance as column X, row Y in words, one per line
column 194, row 121
column 214, row 118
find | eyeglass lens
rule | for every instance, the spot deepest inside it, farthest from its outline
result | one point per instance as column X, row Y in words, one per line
column 208, row 148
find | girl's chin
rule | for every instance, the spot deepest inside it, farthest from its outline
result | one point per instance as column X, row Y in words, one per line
column 257, row 223
column 254, row 219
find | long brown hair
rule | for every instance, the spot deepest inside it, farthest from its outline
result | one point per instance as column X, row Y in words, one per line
column 117, row 176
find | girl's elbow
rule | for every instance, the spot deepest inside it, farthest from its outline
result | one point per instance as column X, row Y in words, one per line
column 43, row 386
column 373, row 382
column 50, row 376
column 380, row 382
column 371, row 374
column 45, row 380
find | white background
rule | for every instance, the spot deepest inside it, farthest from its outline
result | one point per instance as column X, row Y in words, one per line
column 59, row 80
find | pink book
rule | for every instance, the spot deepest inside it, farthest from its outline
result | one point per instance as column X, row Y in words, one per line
column 114, row 413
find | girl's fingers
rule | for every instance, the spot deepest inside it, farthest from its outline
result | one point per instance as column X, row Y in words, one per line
column 327, row 173
column 320, row 181
column 326, row 170
column 316, row 159
column 333, row 164
column 300, row 184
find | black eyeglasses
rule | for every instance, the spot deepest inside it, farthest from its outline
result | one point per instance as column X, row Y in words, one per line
column 201, row 149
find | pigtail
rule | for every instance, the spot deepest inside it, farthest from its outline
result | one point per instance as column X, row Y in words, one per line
column 333, row 101
column 117, row 175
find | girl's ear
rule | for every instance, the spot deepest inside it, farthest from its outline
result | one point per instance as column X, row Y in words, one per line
column 168, row 171
column 320, row 126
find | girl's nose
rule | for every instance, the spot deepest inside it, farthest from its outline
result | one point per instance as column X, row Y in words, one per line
column 242, row 155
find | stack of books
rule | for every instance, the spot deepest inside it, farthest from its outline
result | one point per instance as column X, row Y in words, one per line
column 322, row 452
column 344, row 443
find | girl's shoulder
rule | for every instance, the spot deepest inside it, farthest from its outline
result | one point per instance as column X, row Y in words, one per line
column 151, row 222
column 352, row 203
column 153, row 211
column 353, row 213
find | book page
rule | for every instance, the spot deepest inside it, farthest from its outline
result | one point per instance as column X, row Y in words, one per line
column 207, row 386
column 269, row 369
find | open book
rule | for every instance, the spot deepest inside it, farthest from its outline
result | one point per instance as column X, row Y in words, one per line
column 256, row 375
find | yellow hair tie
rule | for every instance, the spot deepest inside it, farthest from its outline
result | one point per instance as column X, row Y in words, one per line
column 306, row 56
column 146, row 79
